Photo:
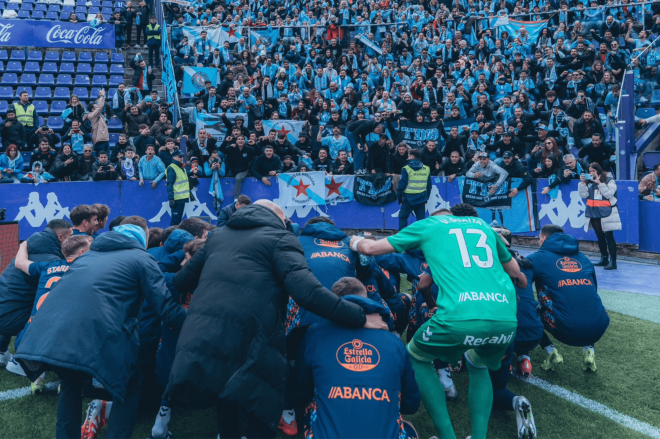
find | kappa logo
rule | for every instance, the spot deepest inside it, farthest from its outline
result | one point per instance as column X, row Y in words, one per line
column 574, row 282
column 327, row 243
column 569, row 265
column 36, row 214
column 358, row 356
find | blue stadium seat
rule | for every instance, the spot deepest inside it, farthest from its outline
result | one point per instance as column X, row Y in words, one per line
column 106, row 11
column 17, row 55
column 38, row 15
column 100, row 69
column 117, row 58
column 4, row 106
column 14, row 66
column 52, row 57
column 93, row 10
column 2, row 67
column 10, row 79
column 26, row 7
column 114, row 138
column 49, row 67
column 81, row 2
column 28, row 79
column 95, row 91
column 651, row 158
column 41, row 106
column 115, row 125
column 64, row 16
column 53, row 8
column 26, row 160
column 83, row 80
column 12, row 6
column 101, row 58
column 35, row 55
column 68, row 8
column 41, row 7
column 106, row 17
column 46, row 80
column 96, row 3
column 84, row 69
column 29, row 1
column 116, row 69
column 645, row 113
column 4, row 57
column 106, row 4
column 57, row 107
column 67, row 67
column 69, row 57
column 115, row 80
column 22, row 89
column 43, row 93
column 55, row 123
column 81, row 9
column 81, row 92
column 23, row 14
column 64, row 80
column 52, row 15
column 111, row 93
column 31, row 67
column 6, row 93
column 85, row 57
column 62, row 93
column 100, row 81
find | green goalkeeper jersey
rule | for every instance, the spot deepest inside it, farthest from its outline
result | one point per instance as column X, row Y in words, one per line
column 465, row 257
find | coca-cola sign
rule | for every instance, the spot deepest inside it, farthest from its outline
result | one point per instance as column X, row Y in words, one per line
column 56, row 34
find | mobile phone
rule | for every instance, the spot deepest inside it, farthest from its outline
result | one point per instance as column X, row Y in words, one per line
column 588, row 177
column 538, row 166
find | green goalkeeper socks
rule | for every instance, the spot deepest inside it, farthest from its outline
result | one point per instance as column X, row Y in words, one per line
column 480, row 397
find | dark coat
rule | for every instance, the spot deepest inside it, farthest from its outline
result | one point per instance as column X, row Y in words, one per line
column 17, row 290
column 99, row 313
column 226, row 213
column 232, row 344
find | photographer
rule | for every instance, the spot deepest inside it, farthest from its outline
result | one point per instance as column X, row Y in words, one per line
column 76, row 137
column 102, row 169
column 573, row 168
column 13, row 132
column 45, row 133
column 602, row 211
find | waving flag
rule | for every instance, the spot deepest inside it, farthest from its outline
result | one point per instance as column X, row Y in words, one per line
column 216, row 35
column 268, row 37
column 302, row 189
column 339, row 188
column 289, row 127
column 534, row 28
column 194, row 78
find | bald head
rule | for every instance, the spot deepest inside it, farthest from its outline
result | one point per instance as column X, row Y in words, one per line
column 272, row 206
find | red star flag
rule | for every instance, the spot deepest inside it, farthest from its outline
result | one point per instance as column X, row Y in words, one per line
column 289, row 127
column 301, row 188
column 339, row 188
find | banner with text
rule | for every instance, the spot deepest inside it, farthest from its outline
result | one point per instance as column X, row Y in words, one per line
column 485, row 194
column 416, row 134
column 374, row 189
column 339, row 188
column 214, row 125
column 302, row 189
column 56, row 34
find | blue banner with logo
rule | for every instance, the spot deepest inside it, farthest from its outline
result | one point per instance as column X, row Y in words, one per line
column 534, row 28
column 60, row 34
column 194, row 78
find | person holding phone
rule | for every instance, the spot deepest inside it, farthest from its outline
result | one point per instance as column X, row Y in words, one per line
column 599, row 188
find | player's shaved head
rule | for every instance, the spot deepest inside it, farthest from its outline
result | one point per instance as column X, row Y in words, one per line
column 272, row 206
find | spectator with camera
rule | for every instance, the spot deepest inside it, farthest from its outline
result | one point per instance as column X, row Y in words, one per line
column 76, row 137
column 102, row 169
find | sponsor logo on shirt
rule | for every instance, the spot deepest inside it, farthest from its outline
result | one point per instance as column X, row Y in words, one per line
column 574, row 282
column 498, row 339
column 358, row 356
column 488, row 297
column 327, row 243
column 341, row 256
column 371, row 288
column 569, row 265
column 358, row 393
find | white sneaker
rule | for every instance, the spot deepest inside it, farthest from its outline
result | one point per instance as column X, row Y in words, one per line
column 525, row 419
column 160, row 428
column 445, row 379
column 14, row 367
column 5, row 358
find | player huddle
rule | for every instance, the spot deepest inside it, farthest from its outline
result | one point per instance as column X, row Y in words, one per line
column 472, row 306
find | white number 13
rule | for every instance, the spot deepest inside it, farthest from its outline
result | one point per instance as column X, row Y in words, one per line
column 465, row 255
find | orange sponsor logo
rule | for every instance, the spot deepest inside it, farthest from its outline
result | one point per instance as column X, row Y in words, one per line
column 569, row 265
column 341, row 256
column 574, row 282
column 370, row 288
column 358, row 356
column 358, row 393
column 327, row 243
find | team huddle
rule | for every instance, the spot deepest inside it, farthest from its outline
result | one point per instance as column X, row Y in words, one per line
column 313, row 336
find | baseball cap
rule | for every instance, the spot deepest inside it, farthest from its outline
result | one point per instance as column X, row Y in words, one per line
column 507, row 133
column 543, row 127
column 507, row 155
column 177, row 153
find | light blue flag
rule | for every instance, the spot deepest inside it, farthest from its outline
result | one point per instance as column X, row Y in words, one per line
column 194, row 78
column 534, row 28
column 268, row 36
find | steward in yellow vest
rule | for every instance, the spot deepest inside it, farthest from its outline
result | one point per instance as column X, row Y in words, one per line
column 414, row 188
column 178, row 187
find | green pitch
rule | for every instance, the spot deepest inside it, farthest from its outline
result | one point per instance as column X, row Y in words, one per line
column 626, row 382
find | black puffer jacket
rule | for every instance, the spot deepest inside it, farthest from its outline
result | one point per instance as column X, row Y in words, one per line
column 232, row 344
column 17, row 290
column 94, row 326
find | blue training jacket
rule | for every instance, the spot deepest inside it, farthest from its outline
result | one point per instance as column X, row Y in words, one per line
column 359, row 380
column 530, row 328
column 570, row 307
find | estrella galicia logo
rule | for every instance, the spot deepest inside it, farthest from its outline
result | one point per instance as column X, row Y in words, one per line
column 328, row 243
column 199, row 80
column 358, row 356
column 569, row 265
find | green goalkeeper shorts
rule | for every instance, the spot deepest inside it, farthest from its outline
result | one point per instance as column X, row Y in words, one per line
column 448, row 341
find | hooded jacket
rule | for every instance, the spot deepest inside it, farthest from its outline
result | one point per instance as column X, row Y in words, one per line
column 491, row 170
column 570, row 307
column 95, row 307
column 17, row 289
column 385, row 386
column 232, row 344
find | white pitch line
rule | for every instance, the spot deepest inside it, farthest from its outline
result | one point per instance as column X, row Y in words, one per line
column 595, row 407
column 23, row 391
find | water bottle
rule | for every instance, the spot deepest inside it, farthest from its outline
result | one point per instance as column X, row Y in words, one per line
column 364, row 260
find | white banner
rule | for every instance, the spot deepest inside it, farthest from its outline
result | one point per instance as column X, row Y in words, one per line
column 339, row 188
column 302, row 189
